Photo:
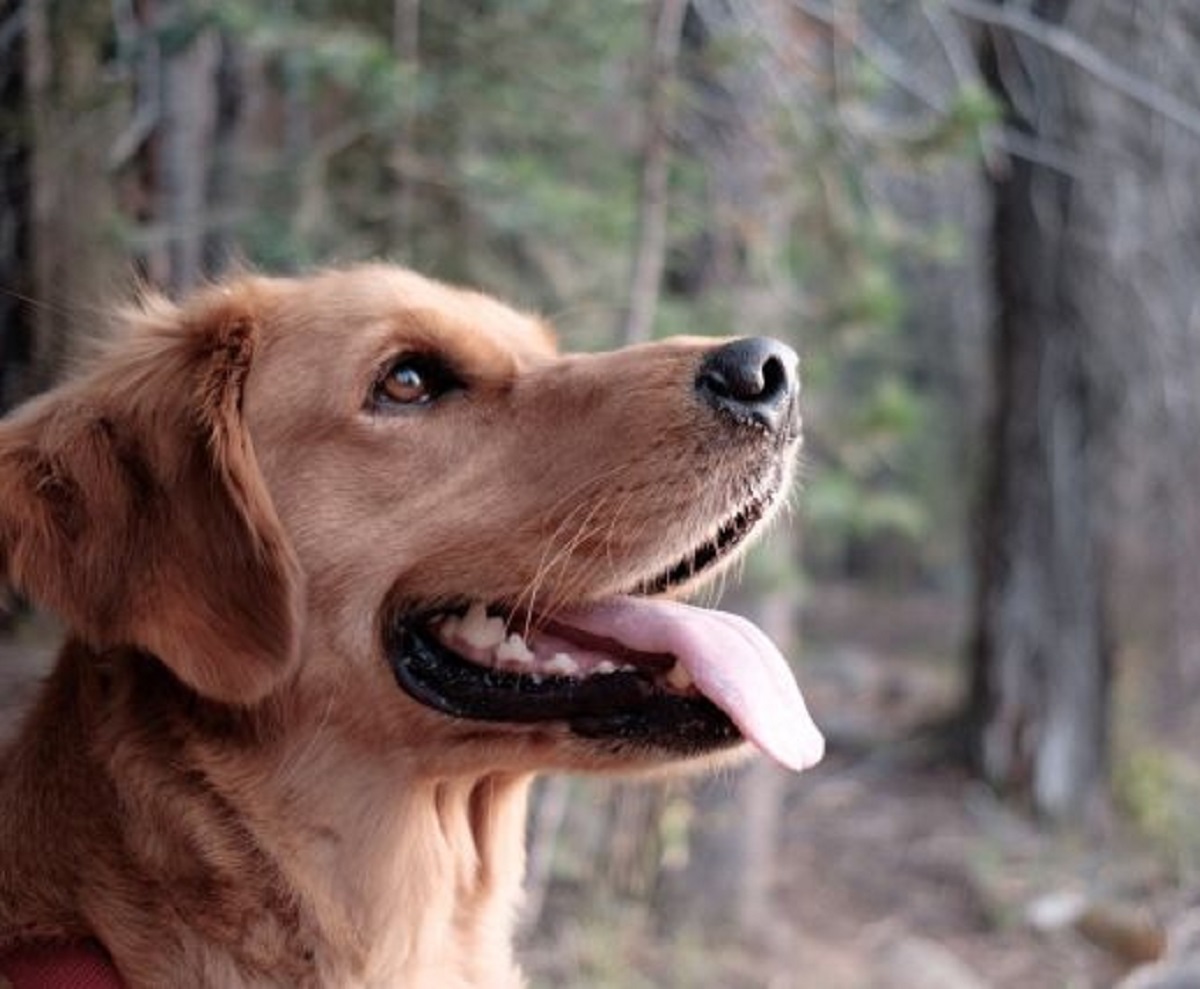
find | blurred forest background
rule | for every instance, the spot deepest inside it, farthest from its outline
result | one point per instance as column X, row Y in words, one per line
column 979, row 222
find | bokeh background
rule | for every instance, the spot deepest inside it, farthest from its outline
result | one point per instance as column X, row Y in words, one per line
column 978, row 221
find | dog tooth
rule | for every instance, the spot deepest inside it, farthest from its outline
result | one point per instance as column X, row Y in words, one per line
column 474, row 618
column 562, row 664
column 480, row 631
column 678, row 676
column 492, row 634
column 605, row 666
column 514, row 650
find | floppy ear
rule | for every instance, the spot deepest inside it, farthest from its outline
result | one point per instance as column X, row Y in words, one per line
column 131, row 503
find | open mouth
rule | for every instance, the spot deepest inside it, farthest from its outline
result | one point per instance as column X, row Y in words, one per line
column 479, row 666
column 655, row 673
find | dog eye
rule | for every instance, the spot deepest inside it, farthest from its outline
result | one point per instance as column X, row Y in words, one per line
column 414, row 380
column 406, row 385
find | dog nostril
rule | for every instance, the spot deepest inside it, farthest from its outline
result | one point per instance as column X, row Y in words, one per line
column 754, row 379
column 774, row 377
column 741, row 383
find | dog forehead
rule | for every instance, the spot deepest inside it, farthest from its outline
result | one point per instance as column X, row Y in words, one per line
column 366, row 303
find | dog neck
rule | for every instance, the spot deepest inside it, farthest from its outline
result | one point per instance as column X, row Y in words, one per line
column 414, row 881
column 297, row 858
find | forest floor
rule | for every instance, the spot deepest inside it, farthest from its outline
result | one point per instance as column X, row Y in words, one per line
column 895, row 870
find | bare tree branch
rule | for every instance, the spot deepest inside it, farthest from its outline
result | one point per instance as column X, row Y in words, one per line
column 1038, row 150
column 954, row 44
column 887, row 61
column 754, row 21
column 131, row 140
column 1091, row 60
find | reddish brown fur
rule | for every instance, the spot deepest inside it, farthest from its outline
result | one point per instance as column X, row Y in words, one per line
column 221, row 780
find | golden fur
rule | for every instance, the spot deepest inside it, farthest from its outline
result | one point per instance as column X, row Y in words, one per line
column 221, row 781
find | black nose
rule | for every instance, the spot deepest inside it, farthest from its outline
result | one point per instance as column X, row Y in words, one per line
column 755, row 380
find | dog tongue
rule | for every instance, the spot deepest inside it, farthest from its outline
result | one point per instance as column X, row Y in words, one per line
column 730, row 660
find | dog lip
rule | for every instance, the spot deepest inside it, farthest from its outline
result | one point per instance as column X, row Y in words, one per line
column 730, row 534
column 625, row 706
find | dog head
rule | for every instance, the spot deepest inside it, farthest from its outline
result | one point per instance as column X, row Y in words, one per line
column 400, row 501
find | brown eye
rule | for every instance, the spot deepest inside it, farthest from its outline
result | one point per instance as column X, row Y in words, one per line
column 404, row 384
column 413, row 381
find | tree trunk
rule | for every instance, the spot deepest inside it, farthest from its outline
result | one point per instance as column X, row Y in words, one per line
column 188, row 123
column 443, row 243
column 651, row 245
column 45, row 167
column 176, row 90
column 16, row 277
column 762, row 788
column 219, row 233
column 1041, row 646
column 68, row 192
column 406, row 45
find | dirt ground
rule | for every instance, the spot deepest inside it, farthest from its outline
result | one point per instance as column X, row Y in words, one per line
column 913, row 862
column 895, row 869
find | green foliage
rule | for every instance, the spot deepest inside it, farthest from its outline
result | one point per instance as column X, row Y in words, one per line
column 1159, row 791
column 873, row 297
column 973, row 109
column 513, row 178
column 840, row 507
column 893, row 408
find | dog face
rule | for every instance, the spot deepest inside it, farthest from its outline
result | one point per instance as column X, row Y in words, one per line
column 397, row 502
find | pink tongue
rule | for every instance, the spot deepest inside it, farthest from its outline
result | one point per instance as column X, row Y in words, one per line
column 732, row 663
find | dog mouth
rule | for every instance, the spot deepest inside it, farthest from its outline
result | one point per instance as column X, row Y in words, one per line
column 479, row 666
column 631, row 669
column 728, row 538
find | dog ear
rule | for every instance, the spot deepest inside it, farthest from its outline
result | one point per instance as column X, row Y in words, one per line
column 131, row 504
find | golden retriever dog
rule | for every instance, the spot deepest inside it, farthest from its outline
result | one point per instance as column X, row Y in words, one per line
column 343, row 561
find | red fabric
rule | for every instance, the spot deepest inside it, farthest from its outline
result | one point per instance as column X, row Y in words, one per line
column 79, row 965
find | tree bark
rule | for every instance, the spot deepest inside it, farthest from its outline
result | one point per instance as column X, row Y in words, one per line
column 651, row 244
column 16, row 281
column 223, row 172
column 443, row 242
column 188, row 125
column 1041, row 652
column 45, row 167
column 176, row 91
column 763, row 786
column 406, row 45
